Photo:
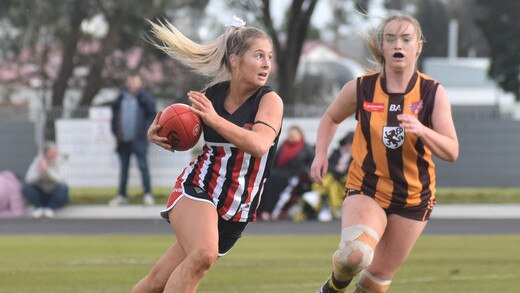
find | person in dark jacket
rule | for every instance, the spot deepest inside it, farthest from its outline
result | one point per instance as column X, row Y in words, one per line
column 132, row 113
column 292, row 162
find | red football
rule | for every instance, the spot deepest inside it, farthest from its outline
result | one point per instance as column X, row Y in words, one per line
column 181, row 126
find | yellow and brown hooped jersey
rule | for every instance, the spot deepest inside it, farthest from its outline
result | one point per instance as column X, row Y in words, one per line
column 392, row 166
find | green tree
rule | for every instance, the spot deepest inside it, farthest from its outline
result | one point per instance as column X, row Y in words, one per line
column 471, row 40
column 434, row 19
column 127, row 29
column 76, row 12
column 500, row 26
column 48, row 28
column 47, row 24
column 49, row 33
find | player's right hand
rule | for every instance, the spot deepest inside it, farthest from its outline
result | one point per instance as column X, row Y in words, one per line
column 319, row 168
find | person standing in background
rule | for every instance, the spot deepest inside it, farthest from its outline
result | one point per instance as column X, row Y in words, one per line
column 132, row 113
column 45, row 186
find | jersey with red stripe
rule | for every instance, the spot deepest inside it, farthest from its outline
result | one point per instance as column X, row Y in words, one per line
column 394, row 167
column 233, row 178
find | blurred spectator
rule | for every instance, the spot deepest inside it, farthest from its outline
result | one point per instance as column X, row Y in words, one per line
column 326, row 199
column 132, row 114
column 12, row 204
column 45, row 186
column 293, row 160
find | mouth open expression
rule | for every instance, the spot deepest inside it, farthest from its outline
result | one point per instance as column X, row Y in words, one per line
column 263, row 75
column 398, row 56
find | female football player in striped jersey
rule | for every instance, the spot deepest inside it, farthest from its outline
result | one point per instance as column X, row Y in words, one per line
column 217, row 194
column 403, row 120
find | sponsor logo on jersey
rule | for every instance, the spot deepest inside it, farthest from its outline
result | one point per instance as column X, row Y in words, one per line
column 393, row 136
column 395, row 108
column 416, row 107
column 373, row 107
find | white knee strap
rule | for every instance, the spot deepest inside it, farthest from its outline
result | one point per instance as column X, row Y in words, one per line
column 355, row 238
column 369, row 283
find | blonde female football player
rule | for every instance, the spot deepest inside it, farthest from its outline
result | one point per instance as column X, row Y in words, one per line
column 403, row 120
column 217, row 194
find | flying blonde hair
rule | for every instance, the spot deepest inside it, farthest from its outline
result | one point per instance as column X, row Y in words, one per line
column 211, row 59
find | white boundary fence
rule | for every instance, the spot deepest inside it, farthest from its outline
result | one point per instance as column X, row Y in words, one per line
column 92, row 162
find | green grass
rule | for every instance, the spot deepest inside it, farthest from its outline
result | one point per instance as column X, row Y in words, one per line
column 444, row 195
column 482, row 195
column 257, row 264
column 103, row 195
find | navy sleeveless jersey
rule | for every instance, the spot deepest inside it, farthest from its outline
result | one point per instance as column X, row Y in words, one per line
column 233, row 178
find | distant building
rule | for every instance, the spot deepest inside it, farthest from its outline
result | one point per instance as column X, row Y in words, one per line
column 319, row 58
column 321, row 74
column 467, row 83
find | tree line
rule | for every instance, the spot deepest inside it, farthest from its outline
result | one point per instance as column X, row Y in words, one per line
column 47, row 44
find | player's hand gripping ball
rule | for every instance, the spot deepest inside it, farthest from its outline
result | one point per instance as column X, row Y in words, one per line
column 181, row 126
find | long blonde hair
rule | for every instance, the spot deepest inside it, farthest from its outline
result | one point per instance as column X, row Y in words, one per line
column 374, row 39
column 211, row 59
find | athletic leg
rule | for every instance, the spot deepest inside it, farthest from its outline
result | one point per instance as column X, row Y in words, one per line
column 391, row 252
column 156, row 280
column 363, row 221
column 195, row 224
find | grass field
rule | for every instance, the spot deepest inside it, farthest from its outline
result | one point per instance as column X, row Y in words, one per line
column 284, row 264
column 444, row 195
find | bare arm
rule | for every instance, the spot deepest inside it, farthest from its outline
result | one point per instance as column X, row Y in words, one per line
column 256, row 141
column 341, row 108
column 442, row 138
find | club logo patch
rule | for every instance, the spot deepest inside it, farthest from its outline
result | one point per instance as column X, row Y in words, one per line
column 416, row 107
column 393, row 136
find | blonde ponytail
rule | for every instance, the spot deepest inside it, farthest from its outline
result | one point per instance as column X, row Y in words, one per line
column 211, row 59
